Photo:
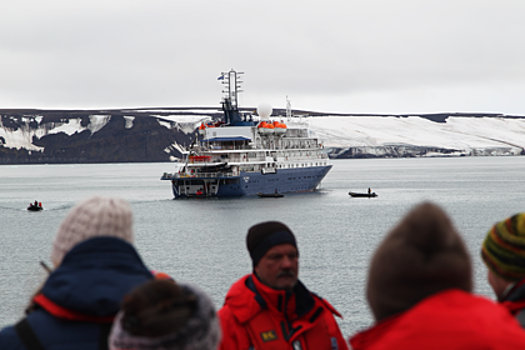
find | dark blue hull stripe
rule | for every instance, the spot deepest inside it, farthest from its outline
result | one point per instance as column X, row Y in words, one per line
column 283, row 181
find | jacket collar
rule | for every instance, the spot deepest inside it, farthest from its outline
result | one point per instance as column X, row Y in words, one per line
column 61, row 312
column 516, row 292
column 294, row 304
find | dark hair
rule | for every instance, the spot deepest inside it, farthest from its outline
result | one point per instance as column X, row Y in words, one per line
column 422, row 255
column 157, row 308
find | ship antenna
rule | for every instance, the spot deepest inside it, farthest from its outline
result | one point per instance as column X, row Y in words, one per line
column 230, row 103
column 288, row 109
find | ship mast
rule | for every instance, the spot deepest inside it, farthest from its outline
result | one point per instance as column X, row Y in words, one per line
column 230, row 102
column 288, row 109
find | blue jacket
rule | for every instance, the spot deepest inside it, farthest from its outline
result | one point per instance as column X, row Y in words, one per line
column 88, row 286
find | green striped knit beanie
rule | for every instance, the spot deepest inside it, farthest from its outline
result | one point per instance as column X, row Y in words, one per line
column 504, row 248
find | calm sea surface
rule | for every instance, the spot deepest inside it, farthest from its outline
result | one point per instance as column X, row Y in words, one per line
column 203, row 241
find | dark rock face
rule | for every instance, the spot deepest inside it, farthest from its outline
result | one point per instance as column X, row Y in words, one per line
column 145, row 141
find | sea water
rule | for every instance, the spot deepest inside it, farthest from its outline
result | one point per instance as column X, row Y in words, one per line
column 203, row 240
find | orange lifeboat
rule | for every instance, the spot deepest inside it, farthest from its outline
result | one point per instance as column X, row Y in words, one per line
column 264, row 128
column 280, row 128
column 279, row 125
column 202, row 129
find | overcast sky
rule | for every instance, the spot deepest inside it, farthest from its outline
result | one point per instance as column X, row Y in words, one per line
column 373, row 56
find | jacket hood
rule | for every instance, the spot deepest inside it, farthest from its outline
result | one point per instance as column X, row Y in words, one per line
column 95, row 275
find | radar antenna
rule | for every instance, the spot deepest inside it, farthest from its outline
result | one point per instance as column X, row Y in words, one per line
column 230, row 102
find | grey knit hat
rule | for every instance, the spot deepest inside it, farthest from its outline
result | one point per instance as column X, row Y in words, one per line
column 199, row 331
column 94, row 217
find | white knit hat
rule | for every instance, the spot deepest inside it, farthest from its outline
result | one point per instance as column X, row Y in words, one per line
column 94, row 217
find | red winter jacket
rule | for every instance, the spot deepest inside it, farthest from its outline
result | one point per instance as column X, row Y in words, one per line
column 452, row 319
column 259, row 317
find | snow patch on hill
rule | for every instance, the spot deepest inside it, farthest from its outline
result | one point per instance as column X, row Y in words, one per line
column 456, row 133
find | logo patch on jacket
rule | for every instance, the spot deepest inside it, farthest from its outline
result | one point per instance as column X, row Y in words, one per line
column 268, row 336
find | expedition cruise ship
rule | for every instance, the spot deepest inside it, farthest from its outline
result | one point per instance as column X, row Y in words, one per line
column 241, row 156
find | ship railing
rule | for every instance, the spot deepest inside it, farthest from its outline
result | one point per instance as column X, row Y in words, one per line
column 248, row 159
column 306, row 156
column 218, row 160
column 234, row 159
column 197, row 175
column 255, row 159
column 225, row 147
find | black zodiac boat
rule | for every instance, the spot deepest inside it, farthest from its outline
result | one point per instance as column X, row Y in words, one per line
column 367, row 195
column 35, row 207
column 270, row 195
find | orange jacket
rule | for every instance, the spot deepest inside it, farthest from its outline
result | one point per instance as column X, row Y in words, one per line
column 452, row 320
column 259, row 317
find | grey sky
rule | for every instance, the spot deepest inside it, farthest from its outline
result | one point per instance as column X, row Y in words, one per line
column 374, row 56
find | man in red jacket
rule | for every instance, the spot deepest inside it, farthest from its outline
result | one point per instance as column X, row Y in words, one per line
column 504, row 254
column 271, row 308
column 419, row 290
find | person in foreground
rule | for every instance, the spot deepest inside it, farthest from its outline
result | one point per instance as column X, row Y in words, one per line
column 164, row 315
column 95, row 267
column 270, row 308
column 419, row 290
column 503, row 252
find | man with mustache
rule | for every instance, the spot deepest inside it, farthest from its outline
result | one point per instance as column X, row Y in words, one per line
column 270, row 308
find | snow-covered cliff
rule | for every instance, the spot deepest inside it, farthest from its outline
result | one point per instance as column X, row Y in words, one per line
column 161, row 134
column 419, row 136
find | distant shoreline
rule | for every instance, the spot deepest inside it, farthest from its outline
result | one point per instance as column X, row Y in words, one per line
column 101, row 136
